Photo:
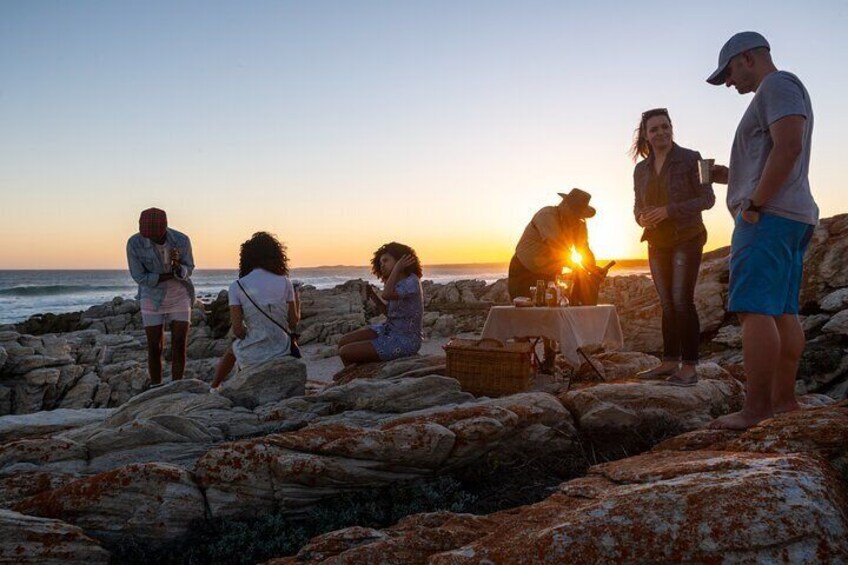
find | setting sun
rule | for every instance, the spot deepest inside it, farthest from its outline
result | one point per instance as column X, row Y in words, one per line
column 576, row 258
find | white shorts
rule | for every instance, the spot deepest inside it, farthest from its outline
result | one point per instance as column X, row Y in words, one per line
column 150, row 319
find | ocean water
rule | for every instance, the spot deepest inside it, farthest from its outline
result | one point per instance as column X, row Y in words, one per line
column 25, row 293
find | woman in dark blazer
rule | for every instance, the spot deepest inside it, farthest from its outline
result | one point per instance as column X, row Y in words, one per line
column 669, row 201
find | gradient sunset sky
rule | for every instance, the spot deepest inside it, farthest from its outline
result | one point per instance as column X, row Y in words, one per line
column 342, row 125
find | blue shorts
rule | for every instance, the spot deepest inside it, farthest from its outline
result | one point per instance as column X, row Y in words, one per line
column 767, row 264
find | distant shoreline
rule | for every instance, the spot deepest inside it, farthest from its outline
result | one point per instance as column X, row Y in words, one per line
column 626, row 263
column 25, row 293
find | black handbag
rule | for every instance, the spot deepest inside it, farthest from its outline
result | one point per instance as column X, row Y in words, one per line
column 294, row 349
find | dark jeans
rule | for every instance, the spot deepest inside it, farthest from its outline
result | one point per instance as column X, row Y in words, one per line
column 519, row 283
column 521, row 279
column 675, row 272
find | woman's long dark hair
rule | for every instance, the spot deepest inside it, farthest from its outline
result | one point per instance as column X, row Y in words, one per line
column 641, row 147
column 263, row 251
column 396, row 250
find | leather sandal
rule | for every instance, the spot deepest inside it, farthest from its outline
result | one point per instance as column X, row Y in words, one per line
column 676, row 380
column 656, row 373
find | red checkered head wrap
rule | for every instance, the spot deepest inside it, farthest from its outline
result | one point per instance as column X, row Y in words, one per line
column 152, row 223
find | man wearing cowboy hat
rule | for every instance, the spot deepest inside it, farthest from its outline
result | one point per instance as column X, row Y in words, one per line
column 545, row 246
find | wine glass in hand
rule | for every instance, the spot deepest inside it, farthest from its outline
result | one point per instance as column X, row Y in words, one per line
column 176, row 268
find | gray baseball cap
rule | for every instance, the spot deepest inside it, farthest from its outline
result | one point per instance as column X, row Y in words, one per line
column 739, row 43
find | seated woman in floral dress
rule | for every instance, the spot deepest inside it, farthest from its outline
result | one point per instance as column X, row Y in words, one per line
column 402, row 301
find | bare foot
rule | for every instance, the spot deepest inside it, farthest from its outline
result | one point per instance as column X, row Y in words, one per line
column 736, row 421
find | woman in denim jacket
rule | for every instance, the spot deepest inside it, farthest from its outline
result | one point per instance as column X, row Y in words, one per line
column 669, row 202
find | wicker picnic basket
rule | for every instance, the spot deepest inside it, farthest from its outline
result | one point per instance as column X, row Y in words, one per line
column 488, row 367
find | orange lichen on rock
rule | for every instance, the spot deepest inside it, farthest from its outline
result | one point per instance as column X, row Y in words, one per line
column 765, row 495
column 822, row 431
column 148, row 500
column 448, row 417
column 29, row 539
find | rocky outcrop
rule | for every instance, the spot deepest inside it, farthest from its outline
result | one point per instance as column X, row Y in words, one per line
column 460, row 306
column 398, row 386
column 290, row 471
column 414, row 540
column 266, row 383
column 151, row 501
column 329, row 314
column 671, row 508
column 607, row 366
column 408, row 366
column 173, row 424
column 820, row 431
column 28, row 539
column 824, row 267
column 101, row 363
column 768, row 495
column 354, row 439
column 179, row 422
column 400, row 395
column 682, row 507
column 47, row 423
column 629, row 415
column 179, row 452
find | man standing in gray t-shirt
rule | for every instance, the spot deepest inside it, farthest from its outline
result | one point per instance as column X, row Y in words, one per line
column 769, row 196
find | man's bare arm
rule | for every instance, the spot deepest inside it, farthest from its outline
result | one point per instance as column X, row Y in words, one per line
column 787, row 135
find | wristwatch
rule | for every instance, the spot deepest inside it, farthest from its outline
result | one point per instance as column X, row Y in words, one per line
column 748, row 206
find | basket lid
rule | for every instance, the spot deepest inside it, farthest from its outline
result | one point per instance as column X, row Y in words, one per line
column 488, row 344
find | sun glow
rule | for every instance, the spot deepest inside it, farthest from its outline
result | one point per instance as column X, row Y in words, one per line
column 576, row 258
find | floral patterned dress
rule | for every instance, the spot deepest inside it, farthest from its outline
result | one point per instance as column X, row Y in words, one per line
column 401, row 335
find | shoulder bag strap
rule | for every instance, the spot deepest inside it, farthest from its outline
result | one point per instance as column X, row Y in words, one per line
column 288, row 333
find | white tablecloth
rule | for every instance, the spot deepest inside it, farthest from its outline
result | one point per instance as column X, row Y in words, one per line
column 572, row 326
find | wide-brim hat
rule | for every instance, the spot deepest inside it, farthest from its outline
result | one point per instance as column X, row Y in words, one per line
column 739, row 43
column 578, row 202
column 152, row 223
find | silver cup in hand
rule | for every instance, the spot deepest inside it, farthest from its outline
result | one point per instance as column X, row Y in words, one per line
column 705, row 167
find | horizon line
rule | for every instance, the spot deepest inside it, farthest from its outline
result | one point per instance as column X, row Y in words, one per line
column 340, row 266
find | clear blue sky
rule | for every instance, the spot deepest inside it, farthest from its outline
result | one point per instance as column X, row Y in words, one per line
column 341, row 125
